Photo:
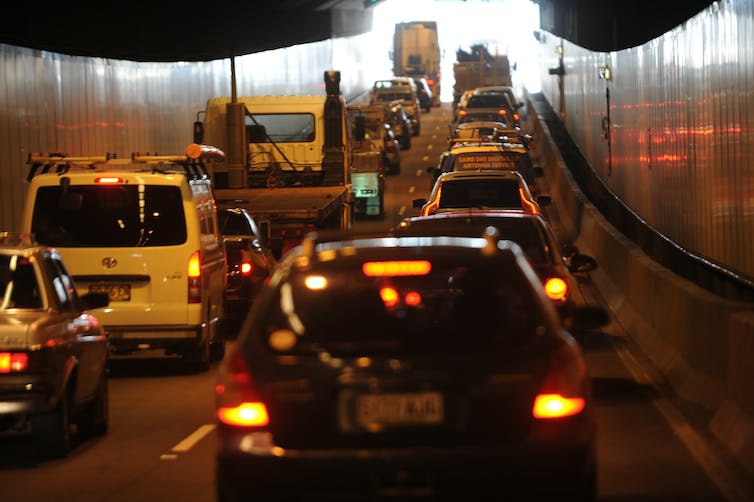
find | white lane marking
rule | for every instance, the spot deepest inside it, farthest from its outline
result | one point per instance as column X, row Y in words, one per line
column 434, row 136
column 426, row 157
column 699, row 448
column 190, row 441
column 419, row 172
column 402, row 210
column 411, row 189
column 429, row 147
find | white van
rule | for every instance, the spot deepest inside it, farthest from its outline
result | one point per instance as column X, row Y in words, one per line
column 145, row 231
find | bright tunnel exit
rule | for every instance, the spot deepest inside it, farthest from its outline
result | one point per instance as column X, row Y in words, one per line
column 504, row 27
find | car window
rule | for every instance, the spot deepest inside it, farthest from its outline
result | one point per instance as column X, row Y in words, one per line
column 19, row 284
column 491, row 100
column 232, row 223
column 503, row 193
column 110, row 216
column 455, row 307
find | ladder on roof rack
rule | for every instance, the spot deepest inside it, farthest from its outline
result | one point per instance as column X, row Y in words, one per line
column 193, row 162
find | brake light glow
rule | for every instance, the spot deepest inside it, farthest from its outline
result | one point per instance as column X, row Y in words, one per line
column 245, row 415
column 413, row 298
column 462, row 113
column 502, row 112
column 431, row 207
column 556, row 288
column 194, row 273
column 108, row 180
column 235, row 396
column 246, row 268
column 389, row 296
column 557, row 406
column 562, row 391
column 13, row 362
column 396, row 268
column 529, row 206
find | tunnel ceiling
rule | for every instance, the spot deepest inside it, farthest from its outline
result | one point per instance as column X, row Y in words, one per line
column 160, row 31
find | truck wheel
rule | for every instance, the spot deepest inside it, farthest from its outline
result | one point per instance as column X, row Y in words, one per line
column 51, row 432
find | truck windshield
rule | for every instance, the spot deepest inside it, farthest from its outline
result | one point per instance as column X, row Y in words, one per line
column 281, row 127
column 109, row 216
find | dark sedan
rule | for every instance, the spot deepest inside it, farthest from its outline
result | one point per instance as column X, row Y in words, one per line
column 530, row 231
column 53, row 354
column 404, row 367
column 250, row 263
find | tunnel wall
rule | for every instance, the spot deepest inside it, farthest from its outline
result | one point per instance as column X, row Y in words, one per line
column 670, row 131
column 701, row 343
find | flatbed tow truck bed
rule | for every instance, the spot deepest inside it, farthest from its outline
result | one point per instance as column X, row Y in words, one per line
column 286, row 204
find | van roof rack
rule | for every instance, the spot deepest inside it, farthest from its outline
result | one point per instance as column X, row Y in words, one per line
column 192, row 164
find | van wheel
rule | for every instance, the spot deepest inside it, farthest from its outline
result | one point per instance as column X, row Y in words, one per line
column 198, row 358
column 51, row 432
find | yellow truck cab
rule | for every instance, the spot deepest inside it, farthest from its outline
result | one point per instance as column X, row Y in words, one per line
column 143, row 230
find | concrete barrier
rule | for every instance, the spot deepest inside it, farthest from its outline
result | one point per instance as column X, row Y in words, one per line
column 701, row 343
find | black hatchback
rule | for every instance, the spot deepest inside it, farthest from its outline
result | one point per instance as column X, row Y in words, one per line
column 404, row 366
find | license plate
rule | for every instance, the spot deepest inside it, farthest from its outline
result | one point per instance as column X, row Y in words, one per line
column 116, row 292
column 421, row 408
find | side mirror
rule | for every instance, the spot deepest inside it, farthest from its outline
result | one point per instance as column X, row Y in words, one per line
column 544, row 200
column 199, row 132
column 418, row 203
column 586, row 317
column 581, row 263
column 360, row 127
column 569, row 249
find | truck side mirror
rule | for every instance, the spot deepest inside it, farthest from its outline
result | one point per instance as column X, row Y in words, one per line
column 198, row 132
column 360, row 127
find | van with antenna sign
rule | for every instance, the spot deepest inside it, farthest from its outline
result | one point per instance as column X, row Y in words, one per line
column 143, row 230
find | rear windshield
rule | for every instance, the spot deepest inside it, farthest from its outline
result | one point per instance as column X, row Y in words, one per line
column 491, row 100
column 109, row 216
column 19, row 288
column 456, row 306
column 481, row 193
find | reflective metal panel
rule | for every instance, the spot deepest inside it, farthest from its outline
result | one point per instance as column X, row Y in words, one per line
column 670, row 132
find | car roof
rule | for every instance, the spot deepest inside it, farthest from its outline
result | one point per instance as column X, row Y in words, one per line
column 22, row 244
column 461, row 146
column 482, row 174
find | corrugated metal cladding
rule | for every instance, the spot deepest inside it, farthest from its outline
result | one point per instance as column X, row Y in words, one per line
column 91, row 106
column 681, row 124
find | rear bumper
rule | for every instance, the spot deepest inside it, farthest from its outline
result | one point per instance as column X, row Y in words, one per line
column 452, row 472
column 126, row 339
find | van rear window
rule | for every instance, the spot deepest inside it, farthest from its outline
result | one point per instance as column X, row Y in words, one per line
column 109, row 216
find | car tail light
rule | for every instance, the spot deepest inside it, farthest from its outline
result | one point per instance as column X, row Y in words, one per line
column 246, row 267
column 236, row 399
column 516, row 117
column 562, row 392
column 462, row 113
column 431, row 207
column 556, row 289
column 194, row 275
column 502, row 112
column 13, row 362
column 396, row 268
column 108, row 180
column 529, row 206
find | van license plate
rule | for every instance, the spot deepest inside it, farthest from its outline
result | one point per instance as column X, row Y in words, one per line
column 400, row 409
column 116, row 292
